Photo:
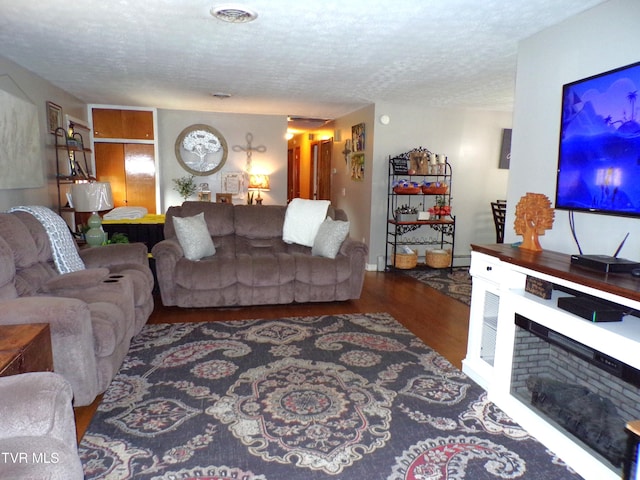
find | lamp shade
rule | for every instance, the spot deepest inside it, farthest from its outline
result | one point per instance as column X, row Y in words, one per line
column 259, row 182
column 91, row 196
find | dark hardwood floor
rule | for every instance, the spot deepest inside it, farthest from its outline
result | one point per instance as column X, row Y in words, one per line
column 440, row 321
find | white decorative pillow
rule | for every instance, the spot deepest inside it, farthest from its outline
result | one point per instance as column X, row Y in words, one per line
column 302, row 220
column 330, row 236
column 194, row 236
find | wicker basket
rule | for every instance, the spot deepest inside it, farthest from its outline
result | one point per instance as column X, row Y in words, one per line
column 398, row 190
column 405, row 261
column 433, row 190
column 438, row 258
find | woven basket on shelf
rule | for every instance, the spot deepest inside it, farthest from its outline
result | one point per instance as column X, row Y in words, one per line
column 438, row 258
column 405, row 261
column 433, row 190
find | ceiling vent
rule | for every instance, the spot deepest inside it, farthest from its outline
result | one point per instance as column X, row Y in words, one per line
column 233, row 13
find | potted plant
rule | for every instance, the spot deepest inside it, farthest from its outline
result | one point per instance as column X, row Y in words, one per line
column 406, row 213
column 441, row 208
column 185, row 186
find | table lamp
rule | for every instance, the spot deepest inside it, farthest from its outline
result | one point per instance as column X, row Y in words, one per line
column 259, row 182
column 92, row 197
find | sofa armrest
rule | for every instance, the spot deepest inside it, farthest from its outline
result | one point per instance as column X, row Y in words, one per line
column 115, row 254
column 167, row 253
column 357, row 253
column 71, row 337
column 75, row 280
column 37, row 404
column 352, row 247
column 169, row 247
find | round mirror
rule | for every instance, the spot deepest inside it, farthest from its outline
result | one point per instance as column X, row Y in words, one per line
column 201, row 149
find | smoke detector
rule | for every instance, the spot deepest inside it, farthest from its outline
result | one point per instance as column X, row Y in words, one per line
column 233, row 13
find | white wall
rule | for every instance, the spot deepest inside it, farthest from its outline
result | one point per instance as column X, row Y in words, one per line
column 38, row 91
column 354, row 197
column 471, row 139
column 267, row 130
column 595, row 41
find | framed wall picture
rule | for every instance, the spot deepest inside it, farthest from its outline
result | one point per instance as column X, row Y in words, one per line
column 357, row 166
column 54, row 117
column 358, row 137
column 20, row 149
column 505, row 149
column 233, row 182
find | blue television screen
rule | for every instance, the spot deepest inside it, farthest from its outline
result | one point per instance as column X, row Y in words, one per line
column 599, row 152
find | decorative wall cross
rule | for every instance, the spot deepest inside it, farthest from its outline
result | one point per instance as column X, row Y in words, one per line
column 347, row 150
column 249, row 150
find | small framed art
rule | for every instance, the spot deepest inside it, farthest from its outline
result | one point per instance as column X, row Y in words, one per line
column 54, row 117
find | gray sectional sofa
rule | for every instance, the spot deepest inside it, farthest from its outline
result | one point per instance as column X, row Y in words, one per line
column 252, row 264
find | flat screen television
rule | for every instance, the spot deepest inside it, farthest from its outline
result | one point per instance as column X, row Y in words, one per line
column 599, row 151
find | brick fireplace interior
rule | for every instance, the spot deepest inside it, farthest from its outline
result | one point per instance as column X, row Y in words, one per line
column 586, row 394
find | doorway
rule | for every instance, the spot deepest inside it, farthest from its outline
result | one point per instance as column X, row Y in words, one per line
column 309, row 163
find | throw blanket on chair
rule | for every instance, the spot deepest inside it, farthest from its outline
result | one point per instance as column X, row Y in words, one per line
column 303, row 219
column 65, row 253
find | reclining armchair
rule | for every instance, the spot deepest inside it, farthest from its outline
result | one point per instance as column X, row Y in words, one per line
column 93, row 312
column 37, row 428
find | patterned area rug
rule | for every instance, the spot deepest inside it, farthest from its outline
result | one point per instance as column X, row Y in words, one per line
column 456, row 284
column 347, row 397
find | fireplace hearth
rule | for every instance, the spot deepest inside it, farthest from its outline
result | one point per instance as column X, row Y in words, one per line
column 585, row 414
column 588, row 395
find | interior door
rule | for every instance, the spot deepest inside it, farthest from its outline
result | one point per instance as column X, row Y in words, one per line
column 293, row 173
column 130, row 169
column 109, row 158
column 140, row 174
column 314, row 154
column 323, row 171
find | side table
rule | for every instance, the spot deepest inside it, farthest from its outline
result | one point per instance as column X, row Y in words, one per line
column 25, row 348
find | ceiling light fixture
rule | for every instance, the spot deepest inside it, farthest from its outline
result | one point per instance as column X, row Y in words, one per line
column 233, row 13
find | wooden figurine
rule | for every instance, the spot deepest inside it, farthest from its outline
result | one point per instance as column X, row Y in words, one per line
column 534, row 216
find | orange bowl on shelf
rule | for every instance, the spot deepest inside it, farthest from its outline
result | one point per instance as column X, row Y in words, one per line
column 406, row 190
column 433, row 190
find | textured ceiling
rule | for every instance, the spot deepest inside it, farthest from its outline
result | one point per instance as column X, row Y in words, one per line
column 320, row 58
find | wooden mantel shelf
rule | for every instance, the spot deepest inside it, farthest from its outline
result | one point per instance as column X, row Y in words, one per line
column 559, row 265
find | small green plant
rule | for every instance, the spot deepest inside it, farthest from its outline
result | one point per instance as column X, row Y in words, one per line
column 117, row 237
column 185, row 186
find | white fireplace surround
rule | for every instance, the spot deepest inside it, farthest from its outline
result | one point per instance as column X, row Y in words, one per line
column 498, row 294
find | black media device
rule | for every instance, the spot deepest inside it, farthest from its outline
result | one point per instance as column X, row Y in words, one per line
column 591, row 309
column 606, row 263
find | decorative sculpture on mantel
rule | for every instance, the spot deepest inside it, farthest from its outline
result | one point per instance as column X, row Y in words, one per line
column 534, row 216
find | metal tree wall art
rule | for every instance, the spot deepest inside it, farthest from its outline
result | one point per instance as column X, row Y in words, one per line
column 534, row 216
column 201, row 149
column 201, row 143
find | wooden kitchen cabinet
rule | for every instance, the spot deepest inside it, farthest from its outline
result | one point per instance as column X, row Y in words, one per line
column 124, row 147
column 129, row 124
